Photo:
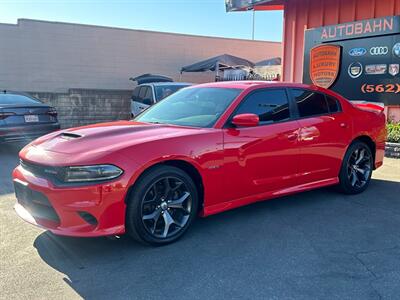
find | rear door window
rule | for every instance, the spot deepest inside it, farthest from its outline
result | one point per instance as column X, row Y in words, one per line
column 271, row 105
column 310, row 103
column 333, row 104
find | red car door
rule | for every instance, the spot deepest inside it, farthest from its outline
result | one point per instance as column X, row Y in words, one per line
column 323, row 137
column 263, row 158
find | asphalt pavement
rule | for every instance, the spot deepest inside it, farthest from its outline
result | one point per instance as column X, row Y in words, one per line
column 314, row 245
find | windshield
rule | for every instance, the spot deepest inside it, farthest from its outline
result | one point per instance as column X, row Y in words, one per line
column 163, row 91
column 197, row 107
column 16, row 99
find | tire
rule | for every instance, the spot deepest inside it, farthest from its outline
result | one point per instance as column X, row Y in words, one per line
column 162, row 195
column 355, row 173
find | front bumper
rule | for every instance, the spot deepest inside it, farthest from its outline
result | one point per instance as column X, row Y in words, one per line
column 81, row 211
column 26, row 132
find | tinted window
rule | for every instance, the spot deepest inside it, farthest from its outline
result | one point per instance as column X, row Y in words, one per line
column 148, row 95
column 197, row 107
column 163, row 91
column 135, row 93
column 143, row 92
column 16, row 99
column 270, row 105
column 333, row 104
column 310, row 103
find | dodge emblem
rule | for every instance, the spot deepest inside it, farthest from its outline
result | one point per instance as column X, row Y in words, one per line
column 324, row 65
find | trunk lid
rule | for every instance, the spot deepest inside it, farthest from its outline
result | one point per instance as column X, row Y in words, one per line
column 27, row 115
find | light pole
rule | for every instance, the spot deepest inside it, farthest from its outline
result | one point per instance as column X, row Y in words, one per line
column 254, row 17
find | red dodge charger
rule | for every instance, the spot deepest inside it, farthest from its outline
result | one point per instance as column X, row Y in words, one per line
column 201, row 151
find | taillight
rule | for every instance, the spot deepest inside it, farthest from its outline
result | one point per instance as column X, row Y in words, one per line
column 4, row 115
column 52, row 112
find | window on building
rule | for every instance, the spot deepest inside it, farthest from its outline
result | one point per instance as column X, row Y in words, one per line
column 310, row 103
column 270, row 105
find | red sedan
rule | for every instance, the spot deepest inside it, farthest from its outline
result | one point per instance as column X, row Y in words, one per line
column 201, row 151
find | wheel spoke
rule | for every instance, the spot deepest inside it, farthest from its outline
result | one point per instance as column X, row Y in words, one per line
column 167, row 187
column 179, row 202
column 182, row 223
column 354, row 178
column 360, row 157
column 168, row 221
column 177, row 186
column 359, row 170
column 154, row 191
column 153, row 216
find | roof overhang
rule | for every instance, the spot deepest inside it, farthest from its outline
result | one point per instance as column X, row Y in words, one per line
column 243, row 5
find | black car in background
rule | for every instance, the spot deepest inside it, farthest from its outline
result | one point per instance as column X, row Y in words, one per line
column 24, row 118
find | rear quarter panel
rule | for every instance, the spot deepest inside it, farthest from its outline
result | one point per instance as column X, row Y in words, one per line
column 373, row 125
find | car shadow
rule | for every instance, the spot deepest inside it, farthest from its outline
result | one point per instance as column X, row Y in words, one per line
column 8, row 161
column 226, row 254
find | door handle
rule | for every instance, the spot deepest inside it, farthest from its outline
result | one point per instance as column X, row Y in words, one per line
column 292, row 137
column 343, row 125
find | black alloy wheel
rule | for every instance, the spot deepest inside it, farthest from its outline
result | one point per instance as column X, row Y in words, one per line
column 166, row 207
column 357, row 167
column 162, row 206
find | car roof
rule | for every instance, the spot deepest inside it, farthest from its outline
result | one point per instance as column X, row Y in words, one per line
column 255, row 83
column 167, row 83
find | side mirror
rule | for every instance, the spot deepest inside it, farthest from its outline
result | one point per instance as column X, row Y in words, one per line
column 246, row 120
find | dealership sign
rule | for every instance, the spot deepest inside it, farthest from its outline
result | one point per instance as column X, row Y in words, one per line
column 324, row 65
column 360, row 60
column 373, row 27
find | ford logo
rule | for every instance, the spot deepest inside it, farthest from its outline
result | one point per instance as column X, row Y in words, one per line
column 358, row 52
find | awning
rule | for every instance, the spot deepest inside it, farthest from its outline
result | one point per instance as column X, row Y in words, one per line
column 276, row 61
column 220, row 62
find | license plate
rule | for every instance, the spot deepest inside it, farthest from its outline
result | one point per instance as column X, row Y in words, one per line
column 31, row 118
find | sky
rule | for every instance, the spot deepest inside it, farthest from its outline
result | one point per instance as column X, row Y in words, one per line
column 200, row 17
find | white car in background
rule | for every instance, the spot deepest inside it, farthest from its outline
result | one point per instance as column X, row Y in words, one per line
column 147, row 94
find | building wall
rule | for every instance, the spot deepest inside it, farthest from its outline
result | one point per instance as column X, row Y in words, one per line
column 304, row 14
column 78, row 107
column 43, row 56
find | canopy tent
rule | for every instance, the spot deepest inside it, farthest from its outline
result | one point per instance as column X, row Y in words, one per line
column 276, row 61
column 217, row 63
column 148, row 78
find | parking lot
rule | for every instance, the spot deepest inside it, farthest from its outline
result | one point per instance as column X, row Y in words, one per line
column 315, row 245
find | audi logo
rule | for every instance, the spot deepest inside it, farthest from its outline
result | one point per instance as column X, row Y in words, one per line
column 379, row 50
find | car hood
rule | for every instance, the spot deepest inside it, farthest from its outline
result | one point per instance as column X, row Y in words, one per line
column 108, row 137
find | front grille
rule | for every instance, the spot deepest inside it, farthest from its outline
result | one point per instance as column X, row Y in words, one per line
column 36, row 203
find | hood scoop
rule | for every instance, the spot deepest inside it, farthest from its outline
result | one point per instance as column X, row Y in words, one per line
column 70, row 135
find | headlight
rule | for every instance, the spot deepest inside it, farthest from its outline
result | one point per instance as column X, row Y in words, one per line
column 91, row 173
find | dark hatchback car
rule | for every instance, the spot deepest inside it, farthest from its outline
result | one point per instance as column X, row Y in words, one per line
column 24, row 118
